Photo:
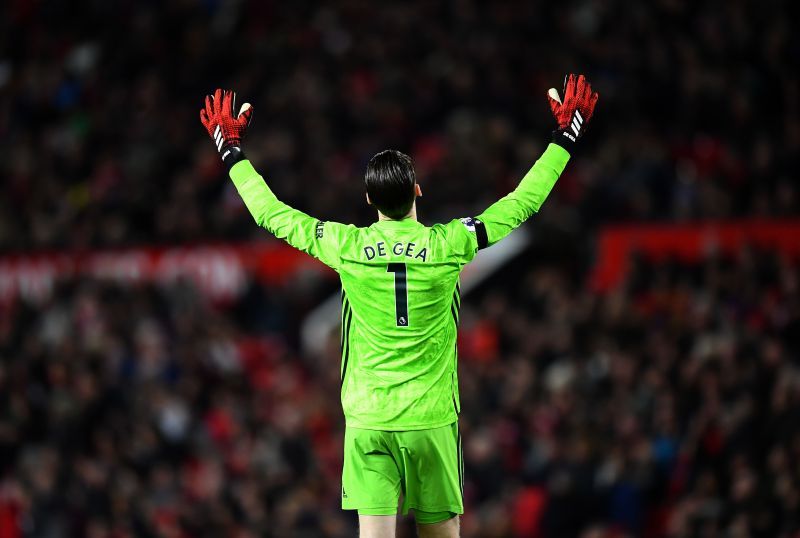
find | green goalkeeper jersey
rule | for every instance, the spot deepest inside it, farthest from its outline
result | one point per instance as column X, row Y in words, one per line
column 400, row 294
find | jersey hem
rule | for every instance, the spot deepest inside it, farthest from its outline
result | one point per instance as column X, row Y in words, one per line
column 394, row 428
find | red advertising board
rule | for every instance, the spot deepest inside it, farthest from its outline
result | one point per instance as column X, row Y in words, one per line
column 689, row 242
column 220, row 270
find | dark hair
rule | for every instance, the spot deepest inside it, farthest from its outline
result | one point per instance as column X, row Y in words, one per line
column 390, row 183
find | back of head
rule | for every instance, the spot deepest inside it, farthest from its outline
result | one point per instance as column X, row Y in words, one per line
column 390, row 181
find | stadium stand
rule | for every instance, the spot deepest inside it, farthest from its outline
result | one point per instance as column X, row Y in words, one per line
column 666, row 404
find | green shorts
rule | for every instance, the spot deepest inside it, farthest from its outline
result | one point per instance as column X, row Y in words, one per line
column 426, row 466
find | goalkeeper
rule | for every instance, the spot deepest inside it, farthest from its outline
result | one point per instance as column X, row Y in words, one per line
column 400, row 311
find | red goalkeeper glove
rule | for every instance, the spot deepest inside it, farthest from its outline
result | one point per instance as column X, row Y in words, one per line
column 574, row 112
column 225, row 126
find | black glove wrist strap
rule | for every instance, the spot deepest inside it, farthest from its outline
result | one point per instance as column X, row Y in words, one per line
column 232, row 155
column 565, row 139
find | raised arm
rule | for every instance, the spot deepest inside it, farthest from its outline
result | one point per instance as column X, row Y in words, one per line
column 226, row 128
column 506, row 214
column 572, row 115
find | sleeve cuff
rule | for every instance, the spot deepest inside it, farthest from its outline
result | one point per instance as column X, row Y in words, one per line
column 556, row 156
column 242, row 171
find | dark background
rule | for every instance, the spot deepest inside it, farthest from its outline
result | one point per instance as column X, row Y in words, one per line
column 669, row 406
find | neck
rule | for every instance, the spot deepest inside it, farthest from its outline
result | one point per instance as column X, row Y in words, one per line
column 412, row 214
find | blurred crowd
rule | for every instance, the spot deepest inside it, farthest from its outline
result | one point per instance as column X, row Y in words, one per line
column 699, row 113
column 668, row 407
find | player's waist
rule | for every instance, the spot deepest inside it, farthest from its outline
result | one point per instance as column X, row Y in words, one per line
column 367, row 423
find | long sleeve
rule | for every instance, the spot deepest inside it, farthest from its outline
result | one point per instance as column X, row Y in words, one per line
column 317, row 238
column 515, row 208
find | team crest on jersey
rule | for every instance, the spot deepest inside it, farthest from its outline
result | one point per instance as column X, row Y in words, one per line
column 469, row 222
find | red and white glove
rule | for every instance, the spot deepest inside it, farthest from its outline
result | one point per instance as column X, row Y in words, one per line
column 225, row 126
column 574, row 112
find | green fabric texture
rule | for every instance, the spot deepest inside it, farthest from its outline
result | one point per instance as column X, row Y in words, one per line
column 425, row 466
column 400, row 295
column 519, row 205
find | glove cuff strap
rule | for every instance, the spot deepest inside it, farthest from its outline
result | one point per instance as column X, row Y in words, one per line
column 232, row 155
column 565, row 139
